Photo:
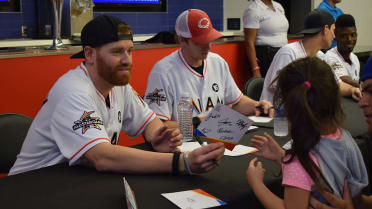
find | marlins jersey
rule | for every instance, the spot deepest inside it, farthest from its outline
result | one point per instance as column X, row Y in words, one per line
column 172, row 76
column 283, row 57
column 340, row 67
column 75, row 117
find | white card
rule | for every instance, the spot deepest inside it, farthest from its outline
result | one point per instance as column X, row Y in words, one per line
column 224, row 123
column 237, row 151
column 260, row 119
column 240, row 150
column 193, row 199
column 129, row 196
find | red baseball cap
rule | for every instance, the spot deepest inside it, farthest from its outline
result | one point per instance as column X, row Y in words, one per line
column 196, row 25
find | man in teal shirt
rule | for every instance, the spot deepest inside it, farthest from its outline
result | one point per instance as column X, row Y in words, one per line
column 330, row 6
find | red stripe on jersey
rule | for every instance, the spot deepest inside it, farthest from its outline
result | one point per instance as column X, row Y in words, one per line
column 83, row 68
column 144, row 124
column 239, row 97
column 187, row 66
column 163, row 116
column 87, row 145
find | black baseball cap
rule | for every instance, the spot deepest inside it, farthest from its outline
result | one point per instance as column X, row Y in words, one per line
column 100, row 31
column 316, row 20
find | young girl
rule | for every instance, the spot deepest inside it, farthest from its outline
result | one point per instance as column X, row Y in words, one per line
column 323, row 155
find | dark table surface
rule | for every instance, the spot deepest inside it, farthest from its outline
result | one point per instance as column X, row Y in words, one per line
column 61, row 186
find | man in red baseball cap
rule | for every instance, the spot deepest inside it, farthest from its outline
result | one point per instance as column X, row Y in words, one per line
column 193, row 69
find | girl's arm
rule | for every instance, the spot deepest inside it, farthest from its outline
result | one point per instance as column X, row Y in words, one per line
column 296, row 198
column 293, row 197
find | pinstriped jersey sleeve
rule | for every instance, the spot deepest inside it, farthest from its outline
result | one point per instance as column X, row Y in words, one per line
column 136, row 114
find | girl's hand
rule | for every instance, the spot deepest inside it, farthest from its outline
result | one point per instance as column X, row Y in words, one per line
column 267, row 148
column 255, row 173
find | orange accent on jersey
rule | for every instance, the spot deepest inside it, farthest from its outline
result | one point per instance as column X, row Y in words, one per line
column 196, row 107
column 163, row 116
column 186, row 65
column 144, row 124
column 82, row 67
column 100, row 96
column 239, row 97
column 112, row 92
column 87, row 145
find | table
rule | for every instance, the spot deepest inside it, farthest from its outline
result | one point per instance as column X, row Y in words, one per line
column 79, row 187
column 64, row 187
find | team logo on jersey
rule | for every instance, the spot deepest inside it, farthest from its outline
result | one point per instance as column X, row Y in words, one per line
column 336, row 66
column 215, row 87
column 156, row 97
column 203, row 23
column 86, row 122
column 119, row 117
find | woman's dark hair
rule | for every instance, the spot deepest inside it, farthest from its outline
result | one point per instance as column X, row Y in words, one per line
column 309, row 93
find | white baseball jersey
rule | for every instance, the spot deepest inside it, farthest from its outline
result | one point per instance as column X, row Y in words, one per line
column 75, row 118
column 340, row 67
column 172, row 76
column 271, row 25
column 282, row 58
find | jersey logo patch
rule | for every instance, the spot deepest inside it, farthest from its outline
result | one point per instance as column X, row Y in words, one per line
column 336, row 66
column 156, row 97
column 215, row 87
column 86, row 122
column 119, row 117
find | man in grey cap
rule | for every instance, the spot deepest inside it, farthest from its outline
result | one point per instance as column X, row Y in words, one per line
column 81, row 119
column 318, row 34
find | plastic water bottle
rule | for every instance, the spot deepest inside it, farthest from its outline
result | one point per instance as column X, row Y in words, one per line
column 280, row 123
column 184, row 110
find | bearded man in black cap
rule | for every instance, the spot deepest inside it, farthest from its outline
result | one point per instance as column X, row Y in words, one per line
column 87, row 108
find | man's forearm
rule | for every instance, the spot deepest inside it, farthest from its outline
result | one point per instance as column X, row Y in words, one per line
column 107, row 157
column 171, row 123
column 349, row 81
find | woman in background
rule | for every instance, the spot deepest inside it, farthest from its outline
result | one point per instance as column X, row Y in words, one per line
column 265, row 31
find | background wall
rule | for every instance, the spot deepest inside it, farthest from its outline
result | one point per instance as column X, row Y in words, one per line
column 360, row 9
column 141, row 22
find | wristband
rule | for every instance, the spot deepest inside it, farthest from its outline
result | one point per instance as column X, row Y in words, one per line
column 257, row 68
column 186, row 162
column 175, row 163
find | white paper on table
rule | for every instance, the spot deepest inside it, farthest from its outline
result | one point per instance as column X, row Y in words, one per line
column 193, row 199
column 251, row 128
column 260, row 119
column 288, row 145
column 240, row 150
column 237, row 151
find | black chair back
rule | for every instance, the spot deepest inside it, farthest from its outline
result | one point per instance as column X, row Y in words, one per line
column 13, row 131
column 253, row 88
